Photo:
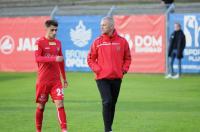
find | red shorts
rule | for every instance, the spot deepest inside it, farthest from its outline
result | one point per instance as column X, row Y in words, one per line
column 54, row 89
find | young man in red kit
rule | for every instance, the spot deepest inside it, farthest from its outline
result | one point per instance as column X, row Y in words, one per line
column 49, row 58
column 109, row 58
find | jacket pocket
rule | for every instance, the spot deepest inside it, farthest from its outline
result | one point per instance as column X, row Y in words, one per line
column 97, row 69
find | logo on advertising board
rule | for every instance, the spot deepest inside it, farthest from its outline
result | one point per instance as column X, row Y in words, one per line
column 148, row 44
column 7, row 44
column 191, row 30
column 27, row 44
column 77, row 34
column 128, row 39
column 192, row 33
column 80, row 35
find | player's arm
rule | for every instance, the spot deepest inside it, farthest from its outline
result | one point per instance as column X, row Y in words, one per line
column 92, row 59
column 62, row 69
column 40, row 58
column 127, row 58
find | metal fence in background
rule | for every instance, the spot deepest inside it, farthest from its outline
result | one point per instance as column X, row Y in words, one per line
column 132, row 8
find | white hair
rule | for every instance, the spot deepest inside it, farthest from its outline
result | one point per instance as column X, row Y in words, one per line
column 109, row 19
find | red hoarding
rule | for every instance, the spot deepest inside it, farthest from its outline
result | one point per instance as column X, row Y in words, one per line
column 17, row 39
column 146, row 37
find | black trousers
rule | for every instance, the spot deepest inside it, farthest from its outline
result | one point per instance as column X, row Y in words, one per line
column 171, row 63
column 109, row 91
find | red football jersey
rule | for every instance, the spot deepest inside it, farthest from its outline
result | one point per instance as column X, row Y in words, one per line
column 45, row 54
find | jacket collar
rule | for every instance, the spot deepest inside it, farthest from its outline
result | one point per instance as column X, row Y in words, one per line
column 106, row 37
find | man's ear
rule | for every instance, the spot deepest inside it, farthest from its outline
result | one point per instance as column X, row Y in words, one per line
column 112, row 27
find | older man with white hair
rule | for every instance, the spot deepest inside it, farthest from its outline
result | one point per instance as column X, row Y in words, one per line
column 109, row 58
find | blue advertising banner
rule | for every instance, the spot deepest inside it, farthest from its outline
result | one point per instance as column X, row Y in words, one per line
column 77, row 34
column 191, row 26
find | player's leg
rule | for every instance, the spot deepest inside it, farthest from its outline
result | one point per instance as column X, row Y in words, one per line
column 169, row 68
column 57, row 95
column 61, row 114
column 179, row 67
column 41, row 99
column 115, row 89
column 172, row 62
column 105, row 92
column 39, row 116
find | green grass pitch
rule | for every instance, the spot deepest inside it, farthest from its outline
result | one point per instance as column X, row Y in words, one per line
column 147, row 103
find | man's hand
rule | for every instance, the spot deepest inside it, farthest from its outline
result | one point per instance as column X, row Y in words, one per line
column 65, row 84
column 59, row 58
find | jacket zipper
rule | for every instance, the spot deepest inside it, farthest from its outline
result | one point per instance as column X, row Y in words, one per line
column 111, row 54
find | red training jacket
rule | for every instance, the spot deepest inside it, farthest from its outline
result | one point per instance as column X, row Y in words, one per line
column 109, row 57
column 45, row 54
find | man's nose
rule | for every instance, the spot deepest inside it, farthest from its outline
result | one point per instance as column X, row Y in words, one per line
column 54, row 32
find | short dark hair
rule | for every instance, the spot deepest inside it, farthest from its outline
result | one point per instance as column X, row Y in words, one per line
column 49, row 23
